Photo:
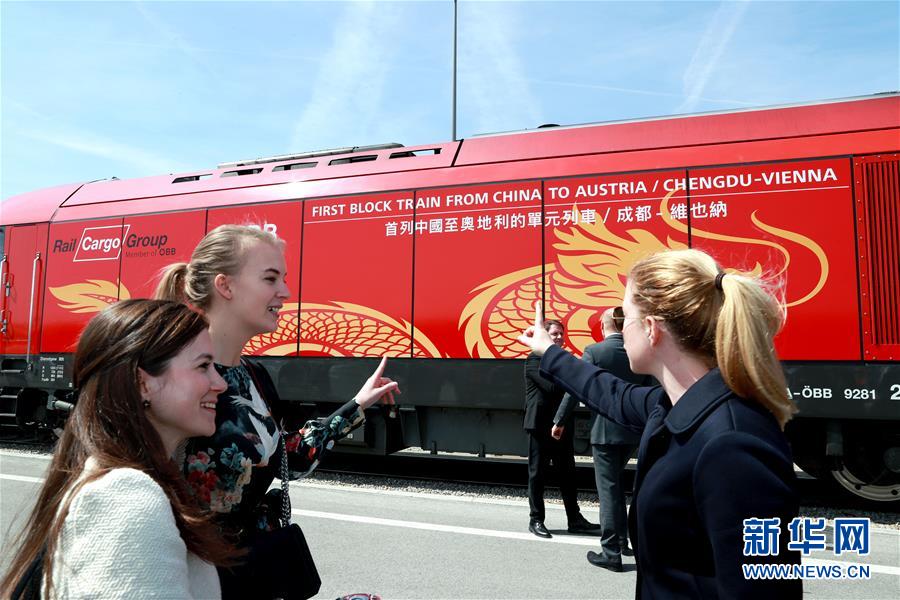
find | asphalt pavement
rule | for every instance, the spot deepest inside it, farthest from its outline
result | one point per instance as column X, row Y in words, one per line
column 409, row 544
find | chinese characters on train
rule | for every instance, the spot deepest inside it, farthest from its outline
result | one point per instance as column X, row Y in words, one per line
column 626, row 199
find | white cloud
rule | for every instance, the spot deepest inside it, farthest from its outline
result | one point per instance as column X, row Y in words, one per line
column 492, row 76
column 176, row 40
column 635, row 91
column 709, row 51
column 346, row 101
column 25, row 109
column 142, row 161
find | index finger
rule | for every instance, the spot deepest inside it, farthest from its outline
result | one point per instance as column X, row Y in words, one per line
column 380, row 370
column 538, row 321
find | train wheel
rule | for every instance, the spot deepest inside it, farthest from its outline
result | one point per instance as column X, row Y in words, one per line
column 887, row 493
column 870, row 467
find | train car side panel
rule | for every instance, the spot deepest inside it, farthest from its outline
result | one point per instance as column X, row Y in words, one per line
column 596, row 228
column 478, row 267
column 25, row 255
column 357, row 277
column 82, row 278
column 152, row 243
column 792, row 223
column 878, row 222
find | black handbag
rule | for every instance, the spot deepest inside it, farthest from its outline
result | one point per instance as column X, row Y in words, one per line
column 280, row 565
column 279, row 562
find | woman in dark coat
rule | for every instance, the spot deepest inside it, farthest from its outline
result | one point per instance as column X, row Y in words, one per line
column 712, row 452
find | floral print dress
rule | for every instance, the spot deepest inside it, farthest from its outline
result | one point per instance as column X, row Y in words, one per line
column 230, row 472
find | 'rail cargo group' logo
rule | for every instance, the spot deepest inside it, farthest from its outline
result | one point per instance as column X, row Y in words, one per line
column 101, row 243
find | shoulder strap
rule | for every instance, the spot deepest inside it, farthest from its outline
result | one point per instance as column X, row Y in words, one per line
column 283, row 471
column 285, row 486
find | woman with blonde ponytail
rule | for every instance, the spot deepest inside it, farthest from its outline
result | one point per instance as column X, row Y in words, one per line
column 713, row 453
column 237, row 279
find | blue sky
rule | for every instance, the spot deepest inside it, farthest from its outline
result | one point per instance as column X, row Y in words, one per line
column 128, row 89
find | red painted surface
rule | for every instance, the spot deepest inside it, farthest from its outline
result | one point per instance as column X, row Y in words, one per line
column 23, row 244
column 477, row 249
column 357, row 276
column 35, row 207
column 82, row 278
column 154, row 242
column 877, row 217
column 800, row 235
column 597, row 227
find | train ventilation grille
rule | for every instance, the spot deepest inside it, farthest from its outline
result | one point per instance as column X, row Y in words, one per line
column 878, row 213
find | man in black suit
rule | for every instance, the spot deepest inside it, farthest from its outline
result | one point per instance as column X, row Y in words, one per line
column 541, row 402
column 611, row 444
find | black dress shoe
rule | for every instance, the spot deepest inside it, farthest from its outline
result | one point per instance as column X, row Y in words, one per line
column 626, row 551
column 598, row 560
column 580, row 524
column 538, row 529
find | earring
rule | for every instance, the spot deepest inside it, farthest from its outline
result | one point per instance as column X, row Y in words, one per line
column 146, row 403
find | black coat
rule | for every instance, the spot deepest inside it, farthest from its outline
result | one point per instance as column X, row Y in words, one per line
column 610, row 355
column 704, row 465
column 542, row 396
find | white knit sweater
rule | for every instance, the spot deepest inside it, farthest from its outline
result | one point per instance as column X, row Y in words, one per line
column 119, row 540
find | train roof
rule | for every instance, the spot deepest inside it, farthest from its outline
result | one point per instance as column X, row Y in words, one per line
column 847, row 115
column 729, row 111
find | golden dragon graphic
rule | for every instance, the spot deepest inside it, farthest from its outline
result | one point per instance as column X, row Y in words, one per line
column 331, row 329
column 345, row 329
column 589, row 276
column 89, row 296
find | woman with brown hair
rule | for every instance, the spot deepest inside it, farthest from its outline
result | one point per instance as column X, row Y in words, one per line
column 115, row 518
column 712, row 450
column 237, row 278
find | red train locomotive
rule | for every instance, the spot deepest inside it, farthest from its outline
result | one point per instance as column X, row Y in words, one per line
column 434, row 255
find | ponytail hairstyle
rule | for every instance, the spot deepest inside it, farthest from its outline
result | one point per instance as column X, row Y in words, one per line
column 222, row 250
column 109, row 424
column 727, row 320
